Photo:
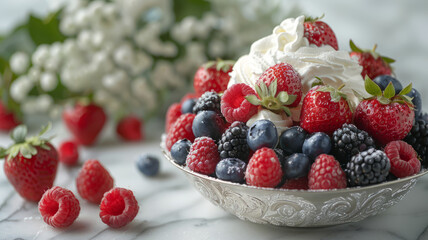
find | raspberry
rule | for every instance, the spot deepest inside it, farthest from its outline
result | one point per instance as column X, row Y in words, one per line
column 118, row 207
column 93, row 181
column 181, row 129
column 59, row 207
column 174, row 111
column 234, row 106
column 208, row 101
column 129, row 128
column 68, row 153
column 264, row 169
column 326, row 173
column 404, row 159
column 203, row 156
column 368, row 167
column 297, row 183
column 233, row 142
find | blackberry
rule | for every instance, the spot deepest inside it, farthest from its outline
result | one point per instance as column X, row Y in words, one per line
column 367, row 168
column 233, row 142
column 349, row 141
column 208, row 101
column 418, row 138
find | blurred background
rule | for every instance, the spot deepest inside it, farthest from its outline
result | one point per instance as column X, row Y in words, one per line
column 110, row 51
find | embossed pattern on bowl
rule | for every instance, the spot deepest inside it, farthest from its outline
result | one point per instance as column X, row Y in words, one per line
column 298, row 208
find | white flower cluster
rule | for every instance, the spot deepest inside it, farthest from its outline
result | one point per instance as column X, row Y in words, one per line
column 116, row 50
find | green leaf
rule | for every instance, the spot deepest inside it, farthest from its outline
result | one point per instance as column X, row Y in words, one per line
column 45, row 129
column 184, row 8
column 335, row 96
column 19, row 134
column 383, row 100
column 253, row 99
column 388, row 60
column 372, row 88
column 17, row 41
column 273, row 87
column 389, row 91
column 45, row 31
column 265, row 90
column 3, row 152
column 317, row 82
column 291, row 99
column 407, row 99
column 406, row 90
column 354, row 47
column 358, row 95
column 259, row 91
column 283, row 97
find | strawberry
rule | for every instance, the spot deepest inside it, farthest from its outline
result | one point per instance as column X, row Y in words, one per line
column 212, row 76
column 373, row 64
column 385, row 116
column 8, row 120
column 129, row 128
column 319, row 33
column 325, row 109
column 287, row 80
column 30, row 164
column 181, row 129
column 172, row 114
column 85, row 122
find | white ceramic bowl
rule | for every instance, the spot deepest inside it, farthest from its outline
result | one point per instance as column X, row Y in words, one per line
column 298, row 208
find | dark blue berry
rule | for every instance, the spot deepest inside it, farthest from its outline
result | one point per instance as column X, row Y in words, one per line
column 417, row 101
column 383, row 80
column 316, row 144
column 297, row 165
column 423, row 116
column 148, row 165
column 187, row 106
column 262, row 134
column 291, row 140
column 231, row 169
column 180, row 150
column 208, row 124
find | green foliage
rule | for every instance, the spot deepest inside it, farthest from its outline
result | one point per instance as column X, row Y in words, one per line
column 197, row 8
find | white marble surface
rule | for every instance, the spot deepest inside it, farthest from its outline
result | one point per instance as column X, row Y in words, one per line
column 171, row 209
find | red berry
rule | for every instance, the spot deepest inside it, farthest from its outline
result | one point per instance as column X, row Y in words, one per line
column 118, row 207
column 384, row 122
column 85, row 122
column 319, row 33
column 298, row 183
column 31, row 177
column 234, row 106
column 129, row 128
column 174, row 111
column 59, row 207
column 213, row 76
column 326, row 173
column 68, row 153
column 322, row 113
column 373, row 64
column 181, row 129
column 404, row 159
column 288, row 80
column 264, row 169
column 203, row 156
column 93, row 181
column 8, row 120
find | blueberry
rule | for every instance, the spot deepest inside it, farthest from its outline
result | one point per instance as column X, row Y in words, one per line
column 316, row 144
column 262, row 134
column 148, row 165
column 417, row 101
column 383, row 80
column 291, row 140
column 231, row 169
column 297, row 165
column 187, row 106
column 208, row 124
column 180, row 150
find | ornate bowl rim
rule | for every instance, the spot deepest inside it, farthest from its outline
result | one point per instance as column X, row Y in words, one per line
column 167, row 154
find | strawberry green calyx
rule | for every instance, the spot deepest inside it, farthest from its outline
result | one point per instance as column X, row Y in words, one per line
column 388, row 95
column 335, row 94
column 219, row 64
column 269, row 99
column 373, row 52
column 314, row 19
column 25, row 145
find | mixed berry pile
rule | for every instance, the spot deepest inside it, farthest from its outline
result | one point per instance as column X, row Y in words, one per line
column 332, row 144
